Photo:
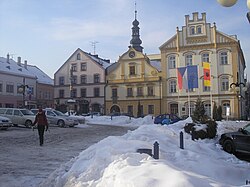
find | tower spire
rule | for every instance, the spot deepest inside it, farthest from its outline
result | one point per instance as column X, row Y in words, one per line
column 135, row 11
column 136, row 41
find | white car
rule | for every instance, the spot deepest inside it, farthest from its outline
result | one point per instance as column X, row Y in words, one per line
column 5, row 123
column 18, row 116
column 56, row 117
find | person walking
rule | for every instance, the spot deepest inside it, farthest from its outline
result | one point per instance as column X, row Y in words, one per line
column 42, row 124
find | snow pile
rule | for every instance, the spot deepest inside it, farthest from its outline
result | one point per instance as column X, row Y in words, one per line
column 114, row 162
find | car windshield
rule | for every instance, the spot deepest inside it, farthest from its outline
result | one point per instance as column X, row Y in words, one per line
column 26, row 112
column 58, row 113
column 247, row 128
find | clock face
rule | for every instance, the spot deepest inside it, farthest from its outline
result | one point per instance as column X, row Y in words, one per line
column 131, row 54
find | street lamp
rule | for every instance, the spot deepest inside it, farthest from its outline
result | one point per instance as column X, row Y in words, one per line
column 236, row 87
column 22, row 89
column 229, row 3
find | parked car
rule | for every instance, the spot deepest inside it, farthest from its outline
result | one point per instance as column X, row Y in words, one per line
column 238, row 141
column 165, row 119
column 18, row 116
column 56, row 117
column 5, row 123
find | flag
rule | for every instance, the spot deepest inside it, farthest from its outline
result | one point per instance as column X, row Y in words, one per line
column 192, row 77
column 207, row 76
column 182, row 77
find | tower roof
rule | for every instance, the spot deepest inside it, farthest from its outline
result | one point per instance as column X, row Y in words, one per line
column 136, row 41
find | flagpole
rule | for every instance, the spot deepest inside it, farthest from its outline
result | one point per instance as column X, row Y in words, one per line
column 189, row 112
column 211, row 96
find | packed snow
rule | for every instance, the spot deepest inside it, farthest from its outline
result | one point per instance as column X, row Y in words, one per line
column 115, row 162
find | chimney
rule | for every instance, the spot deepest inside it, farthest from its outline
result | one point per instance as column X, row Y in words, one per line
column 19, row 61
column 25, row 64
column 8, row 58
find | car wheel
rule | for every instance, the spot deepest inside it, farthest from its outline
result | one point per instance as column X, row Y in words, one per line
column 28, row 124
column 61, row 123
column 228, row 146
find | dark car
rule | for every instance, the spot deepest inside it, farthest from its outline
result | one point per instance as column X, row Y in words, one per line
column 236, row 141
column 166, row 119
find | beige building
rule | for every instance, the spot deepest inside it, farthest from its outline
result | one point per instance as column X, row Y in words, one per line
column 79, row 83
column 198, row 42
column 134, row 82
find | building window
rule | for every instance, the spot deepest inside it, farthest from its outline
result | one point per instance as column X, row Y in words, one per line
column 174, row 108
column 139, row 91
column 192, row 30
column 207, row 109
column 78, row 56
column 9, row 88
column 131, row 70
column 205, row 57
column 114, row 92
column 83, row 92
column 150, row 91
column 96, row 92
column 61, row 80
column 74, row 79
column 189, row 60
column 223, row 58
column 199, row 29
column 74, row 67
column 96, row 78
column 74, row 93
column 1, row 87
column 171, row 62
column 224, row 84
column 83, row 79
column 129, row 92
column 84, row 66
column 61, row 93
column 172, row 86
column 225, row 105
column 130, row 110
column 150, row 109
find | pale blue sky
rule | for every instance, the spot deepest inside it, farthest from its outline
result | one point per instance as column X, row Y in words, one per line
column 47, row 32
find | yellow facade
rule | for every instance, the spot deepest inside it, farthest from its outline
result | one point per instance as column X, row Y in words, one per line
column 133, row 81
column 196, row 43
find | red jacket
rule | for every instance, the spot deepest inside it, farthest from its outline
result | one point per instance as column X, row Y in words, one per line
column 41, row 119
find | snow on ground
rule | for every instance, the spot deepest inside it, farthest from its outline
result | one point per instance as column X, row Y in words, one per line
column 114, row 161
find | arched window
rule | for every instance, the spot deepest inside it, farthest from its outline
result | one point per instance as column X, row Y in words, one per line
column 192, row 30
column 205, row 57
column 172, row 86
column 199, row 30
column 223, row 58
column 171, row 62
column 207, row 109
column 225, row 107
column 78, row 56
column 189, row 60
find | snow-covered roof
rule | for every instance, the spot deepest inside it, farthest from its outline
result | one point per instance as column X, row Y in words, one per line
column 42, row 77
column 104, row 63
column 19, row 69
column 11, row 67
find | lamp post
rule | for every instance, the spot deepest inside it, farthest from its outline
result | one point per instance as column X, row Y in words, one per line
column 22, row 89
column 236, row 87
column 229, row 3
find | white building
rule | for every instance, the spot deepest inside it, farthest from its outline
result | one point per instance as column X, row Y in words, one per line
column 79, row 83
